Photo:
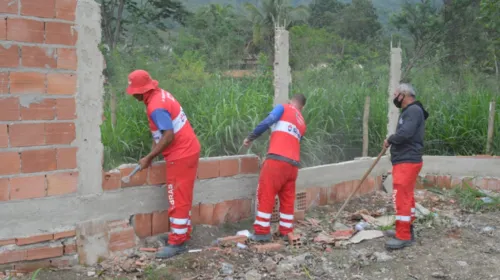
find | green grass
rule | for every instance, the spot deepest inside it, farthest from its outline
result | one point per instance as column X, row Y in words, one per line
column 223, row 110
column 469, row 199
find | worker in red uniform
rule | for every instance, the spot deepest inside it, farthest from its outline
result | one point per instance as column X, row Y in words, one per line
column 173, row 137
column 280, row 169
column 407, row 147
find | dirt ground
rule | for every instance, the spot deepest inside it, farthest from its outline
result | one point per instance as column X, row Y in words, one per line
column 459, row 239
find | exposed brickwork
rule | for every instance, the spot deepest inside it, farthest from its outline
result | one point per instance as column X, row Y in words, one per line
column 37, row 99
column 209, row 168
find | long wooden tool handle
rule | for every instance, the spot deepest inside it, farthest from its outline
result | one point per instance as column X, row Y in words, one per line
column 360, row 183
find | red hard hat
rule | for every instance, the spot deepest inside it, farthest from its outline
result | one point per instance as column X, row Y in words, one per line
column 140, row 82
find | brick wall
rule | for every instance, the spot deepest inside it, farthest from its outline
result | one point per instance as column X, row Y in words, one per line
column 37, row 98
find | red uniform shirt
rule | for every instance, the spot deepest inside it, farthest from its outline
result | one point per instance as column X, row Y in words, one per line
column 185, row 142
column 286, row 134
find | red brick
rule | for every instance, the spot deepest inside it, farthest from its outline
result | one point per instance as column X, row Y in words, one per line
column 62, row 183
column 249, row 165
column 229, row 167
column 7, row 242
column 206, row 214
column 3, row 28
column 299, row 215
column 23, row 135
column 64, row 234
column 270, row 247
column 139, row 179
column 9, row 6
column 67, row 59
column 323, row 196
column 9, row 56
column 10, row 163
column 342, row 234
column 119, row 224
column 59, row 133
column 9, row 109
column 61, row 84
column 143, row 225
column 157, row 174
column 44, row 253
column 430, row 181
column 4, row 80
column 161, row 223
column 70, row 249
column 231, row 240
column 444, row 181
column 240, row 209
column 208, row 169
column 38, row 160
column 195, row 215
column 41, row 110
column 27, row 82
column 60, row 33
column 312, row 197
column 65, row 9
column 220, row 211
column 37, row 8
column 419, row 184
column 38, row 57
column 25, row 30
column 111, row 181
column 122, row 240
column 4, row 136
column 66, row 158
column 34, row 239
column 66, row 109
column 12, row 256
column 4, row 192
column 27, row 187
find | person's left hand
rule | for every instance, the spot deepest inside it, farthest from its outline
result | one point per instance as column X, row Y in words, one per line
column 386, row 144
column 145, row 162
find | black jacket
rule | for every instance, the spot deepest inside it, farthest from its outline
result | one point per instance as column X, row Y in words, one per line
column 407, row 144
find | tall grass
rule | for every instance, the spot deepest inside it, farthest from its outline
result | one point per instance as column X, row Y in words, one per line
column 224, row 110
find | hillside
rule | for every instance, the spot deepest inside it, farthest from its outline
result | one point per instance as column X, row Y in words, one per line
column 384, row 7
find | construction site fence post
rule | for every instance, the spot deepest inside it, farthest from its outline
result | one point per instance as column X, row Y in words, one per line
column 491, row 127
column 366, row 119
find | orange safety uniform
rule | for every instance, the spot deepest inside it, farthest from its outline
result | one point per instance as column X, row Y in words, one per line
column 280, row 169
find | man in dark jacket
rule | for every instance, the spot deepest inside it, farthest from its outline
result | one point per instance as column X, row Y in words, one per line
column 407, row 146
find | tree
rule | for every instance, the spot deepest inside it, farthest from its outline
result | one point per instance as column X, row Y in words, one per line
column 218, row 32
column 326, row 14
column 424, row 24
column 359, row 21
column 267, row 15
column 119, row 15
column 489, row 11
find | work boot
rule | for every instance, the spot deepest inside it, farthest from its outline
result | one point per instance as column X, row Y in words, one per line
column 392, row 233
column 170, row 251
column 395, row 243
column 261, row 237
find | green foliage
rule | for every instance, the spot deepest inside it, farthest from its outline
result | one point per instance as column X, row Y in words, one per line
column 338, row 56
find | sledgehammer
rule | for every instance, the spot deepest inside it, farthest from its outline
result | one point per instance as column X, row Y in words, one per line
column 126, row 179
column 360, row 183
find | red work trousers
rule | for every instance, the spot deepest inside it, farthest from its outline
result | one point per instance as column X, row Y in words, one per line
column 276, row 178
column 181, row 175
column 404, row 178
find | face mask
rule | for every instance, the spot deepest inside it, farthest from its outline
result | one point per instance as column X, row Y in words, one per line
column 398, row 103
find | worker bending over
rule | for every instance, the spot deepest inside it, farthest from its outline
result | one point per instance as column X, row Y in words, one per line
column 173, row 137
column 407, row 146
column 280, row 169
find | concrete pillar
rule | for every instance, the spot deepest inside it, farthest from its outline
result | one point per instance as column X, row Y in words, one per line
column 282, row 73
column 395, row 77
